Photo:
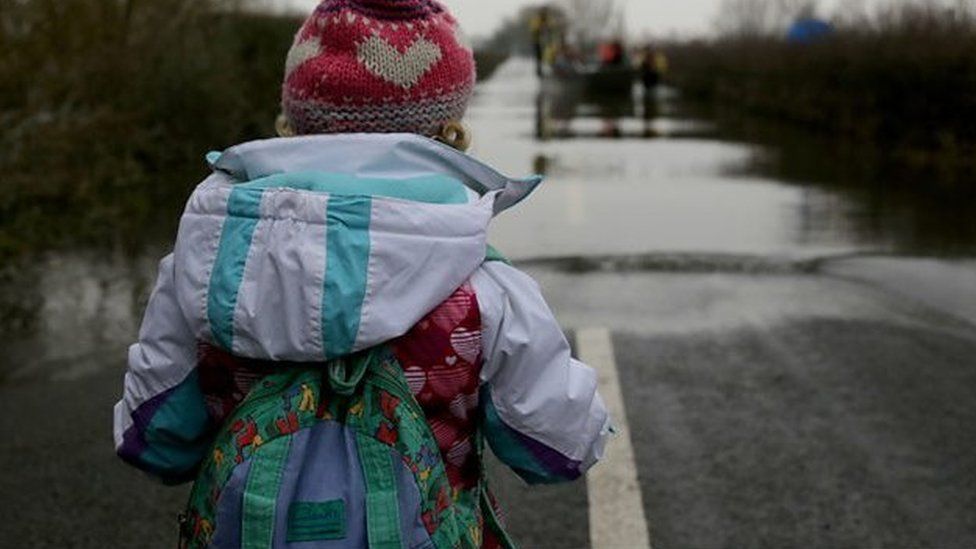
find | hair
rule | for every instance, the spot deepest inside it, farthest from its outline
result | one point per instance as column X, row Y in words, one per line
column 453, row 134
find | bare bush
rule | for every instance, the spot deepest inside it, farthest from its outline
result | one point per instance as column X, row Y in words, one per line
column 107, row 105
column 754, row 18
column 904, row 76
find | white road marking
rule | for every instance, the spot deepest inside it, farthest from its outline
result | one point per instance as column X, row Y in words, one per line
column 616, row 507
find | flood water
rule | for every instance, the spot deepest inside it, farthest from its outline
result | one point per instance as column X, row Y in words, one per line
column 629, row 177
column 656, row 175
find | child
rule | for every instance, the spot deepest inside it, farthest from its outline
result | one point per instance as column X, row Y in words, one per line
column 324, row 285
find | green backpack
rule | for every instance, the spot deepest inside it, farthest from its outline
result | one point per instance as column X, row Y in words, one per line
column 351, row 426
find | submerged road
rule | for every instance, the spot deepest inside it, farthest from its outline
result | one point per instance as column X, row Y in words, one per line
column 764, row 410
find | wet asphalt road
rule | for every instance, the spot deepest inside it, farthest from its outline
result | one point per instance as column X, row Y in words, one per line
column 766, row 411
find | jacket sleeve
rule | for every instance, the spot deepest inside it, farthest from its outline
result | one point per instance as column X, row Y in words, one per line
column 161, row 423
column 541, row 412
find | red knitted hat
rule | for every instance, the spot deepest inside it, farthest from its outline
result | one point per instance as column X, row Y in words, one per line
column 377, row 66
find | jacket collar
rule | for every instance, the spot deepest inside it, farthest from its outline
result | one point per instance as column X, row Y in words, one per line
column 393, row 156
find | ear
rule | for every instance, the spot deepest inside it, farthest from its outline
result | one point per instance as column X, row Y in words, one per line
column 283, row 126
column 456, row 135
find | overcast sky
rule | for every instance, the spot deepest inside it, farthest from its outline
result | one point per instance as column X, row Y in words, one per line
column 659, row 17
column 480, row 17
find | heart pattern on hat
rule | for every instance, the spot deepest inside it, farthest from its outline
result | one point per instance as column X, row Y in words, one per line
column 301, row 52
column 403, row 69
column 377, row 66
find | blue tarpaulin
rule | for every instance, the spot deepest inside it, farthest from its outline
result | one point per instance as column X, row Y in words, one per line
column 805, row 31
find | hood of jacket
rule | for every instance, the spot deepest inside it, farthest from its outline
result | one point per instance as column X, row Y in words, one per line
column 311, row 248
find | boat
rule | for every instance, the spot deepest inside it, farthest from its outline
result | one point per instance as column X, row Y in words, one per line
column 608, row 80
column 593, row 80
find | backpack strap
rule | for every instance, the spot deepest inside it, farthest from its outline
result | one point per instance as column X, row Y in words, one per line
column 345, row 382
column 484, row 499
column 382, row 507
column 392, row 380
column 261, row 494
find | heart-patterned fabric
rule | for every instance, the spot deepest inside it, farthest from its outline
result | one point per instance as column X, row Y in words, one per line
column 441, row 357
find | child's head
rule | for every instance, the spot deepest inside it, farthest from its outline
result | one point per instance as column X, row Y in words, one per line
column 377, row 66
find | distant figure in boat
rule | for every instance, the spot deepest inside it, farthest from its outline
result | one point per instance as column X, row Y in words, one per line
column 612, row 53
column 540, row 31
column 652, row 65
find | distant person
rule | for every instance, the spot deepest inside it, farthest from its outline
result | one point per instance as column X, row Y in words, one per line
column 653, row 66
column 332, row 341
column 540, row 29
column 612, row 53
column 561, row 58
column 605, row 53
column 662, row 63
column 619, row 53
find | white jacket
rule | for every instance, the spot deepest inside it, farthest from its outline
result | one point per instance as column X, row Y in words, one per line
column 307, row 249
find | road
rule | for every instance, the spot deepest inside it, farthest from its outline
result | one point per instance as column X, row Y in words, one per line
column 824, row 409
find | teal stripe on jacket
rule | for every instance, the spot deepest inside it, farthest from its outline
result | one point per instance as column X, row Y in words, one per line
column 347, row 262
column 430, row 189
column 532, row 460
column 243, row 212
column 176, row 437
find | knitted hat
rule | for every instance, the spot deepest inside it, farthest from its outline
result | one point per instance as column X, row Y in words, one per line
column 377, row 66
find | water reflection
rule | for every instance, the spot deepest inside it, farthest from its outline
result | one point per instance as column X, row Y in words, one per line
column 567, row 113
column 71, row 314
column 659, row 174
column 916, row 209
